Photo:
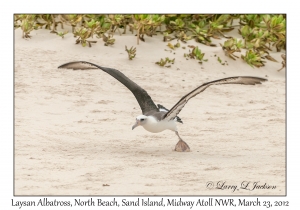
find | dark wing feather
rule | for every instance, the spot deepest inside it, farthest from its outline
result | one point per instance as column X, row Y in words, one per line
column 161, row 107
column 140, row 94
column 247, row 80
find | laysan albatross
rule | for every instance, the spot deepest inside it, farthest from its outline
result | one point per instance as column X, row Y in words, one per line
column 157, row 118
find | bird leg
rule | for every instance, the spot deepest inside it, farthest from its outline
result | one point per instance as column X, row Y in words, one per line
column 181, row 146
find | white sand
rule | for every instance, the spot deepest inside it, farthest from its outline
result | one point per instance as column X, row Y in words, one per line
column 73, row 128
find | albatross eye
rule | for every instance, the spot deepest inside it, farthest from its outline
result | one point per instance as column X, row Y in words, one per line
column 142, row 119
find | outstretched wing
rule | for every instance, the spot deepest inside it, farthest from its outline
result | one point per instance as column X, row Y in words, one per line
column 140, row 94
column 247, row 80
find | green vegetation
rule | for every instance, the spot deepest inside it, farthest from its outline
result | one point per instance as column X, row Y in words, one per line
column 131, row 52
column 253, row 59
column 283, row 62
column 146, row 24
column 231, row 46
column 173, row 47
column 165, row 61
column 61, row 34
column 83, row 34
column 196, row 54
column 260, row 34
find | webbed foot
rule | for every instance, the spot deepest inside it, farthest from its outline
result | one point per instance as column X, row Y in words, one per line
column 181, row 146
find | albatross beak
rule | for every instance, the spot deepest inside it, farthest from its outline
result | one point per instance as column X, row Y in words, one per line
column 137, row 123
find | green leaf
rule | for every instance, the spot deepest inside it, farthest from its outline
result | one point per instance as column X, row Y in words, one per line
column 219, row 59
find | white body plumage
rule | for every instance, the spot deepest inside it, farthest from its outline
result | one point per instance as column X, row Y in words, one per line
column 153, row 125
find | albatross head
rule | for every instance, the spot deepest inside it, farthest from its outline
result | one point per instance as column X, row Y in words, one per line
column 140, row 120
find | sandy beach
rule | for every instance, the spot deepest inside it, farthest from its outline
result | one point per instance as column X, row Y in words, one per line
column 73, row 128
